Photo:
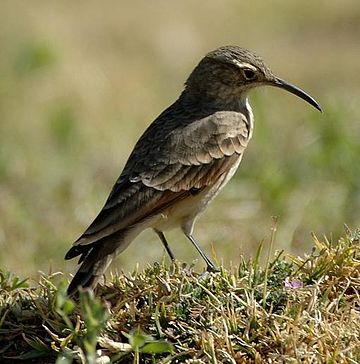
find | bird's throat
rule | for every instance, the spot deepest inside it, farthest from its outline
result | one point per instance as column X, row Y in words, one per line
column 245, row 108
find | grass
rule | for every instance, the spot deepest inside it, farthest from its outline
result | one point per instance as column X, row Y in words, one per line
column 80, row 84
column 295, row 309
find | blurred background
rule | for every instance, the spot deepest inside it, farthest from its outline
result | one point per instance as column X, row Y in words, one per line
column 80, row 81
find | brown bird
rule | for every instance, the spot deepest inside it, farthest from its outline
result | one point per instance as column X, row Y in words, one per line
column 181, row 162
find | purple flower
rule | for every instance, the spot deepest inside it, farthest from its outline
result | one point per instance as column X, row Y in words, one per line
column 294, row 283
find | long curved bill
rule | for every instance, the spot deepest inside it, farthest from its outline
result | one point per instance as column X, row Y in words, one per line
column 278, row 82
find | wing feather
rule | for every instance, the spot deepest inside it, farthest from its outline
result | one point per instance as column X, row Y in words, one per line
column 173, row 156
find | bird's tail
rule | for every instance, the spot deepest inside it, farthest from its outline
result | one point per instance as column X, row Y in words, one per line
column 88, row 275
column 95, row 258
column 92, row 268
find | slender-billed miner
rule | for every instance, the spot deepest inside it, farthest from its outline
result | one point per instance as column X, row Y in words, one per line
column 181, row 162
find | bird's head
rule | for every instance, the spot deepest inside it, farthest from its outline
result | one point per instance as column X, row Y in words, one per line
column 228, row 73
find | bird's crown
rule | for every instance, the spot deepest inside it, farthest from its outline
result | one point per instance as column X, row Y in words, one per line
column 239, row 57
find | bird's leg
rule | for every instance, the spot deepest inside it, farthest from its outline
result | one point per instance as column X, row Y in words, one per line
column 165, row 243
column 211, row 267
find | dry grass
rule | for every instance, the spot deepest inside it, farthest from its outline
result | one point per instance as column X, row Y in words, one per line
column 304, row 309
column 80, row 81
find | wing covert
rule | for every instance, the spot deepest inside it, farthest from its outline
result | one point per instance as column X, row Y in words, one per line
column 189, row 153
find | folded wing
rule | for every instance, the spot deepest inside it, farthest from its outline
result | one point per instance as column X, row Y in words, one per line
column 169, row 162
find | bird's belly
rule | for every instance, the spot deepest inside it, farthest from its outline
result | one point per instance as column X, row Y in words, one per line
column 184, row 212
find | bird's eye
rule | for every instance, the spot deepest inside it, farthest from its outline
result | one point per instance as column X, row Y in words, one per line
column 249, row 74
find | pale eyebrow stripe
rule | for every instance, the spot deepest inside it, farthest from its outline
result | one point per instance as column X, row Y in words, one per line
column 244, row 65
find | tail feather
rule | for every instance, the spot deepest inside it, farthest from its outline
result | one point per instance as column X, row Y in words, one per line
column 94, row 259
column 90, row 271
column 81, row 279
